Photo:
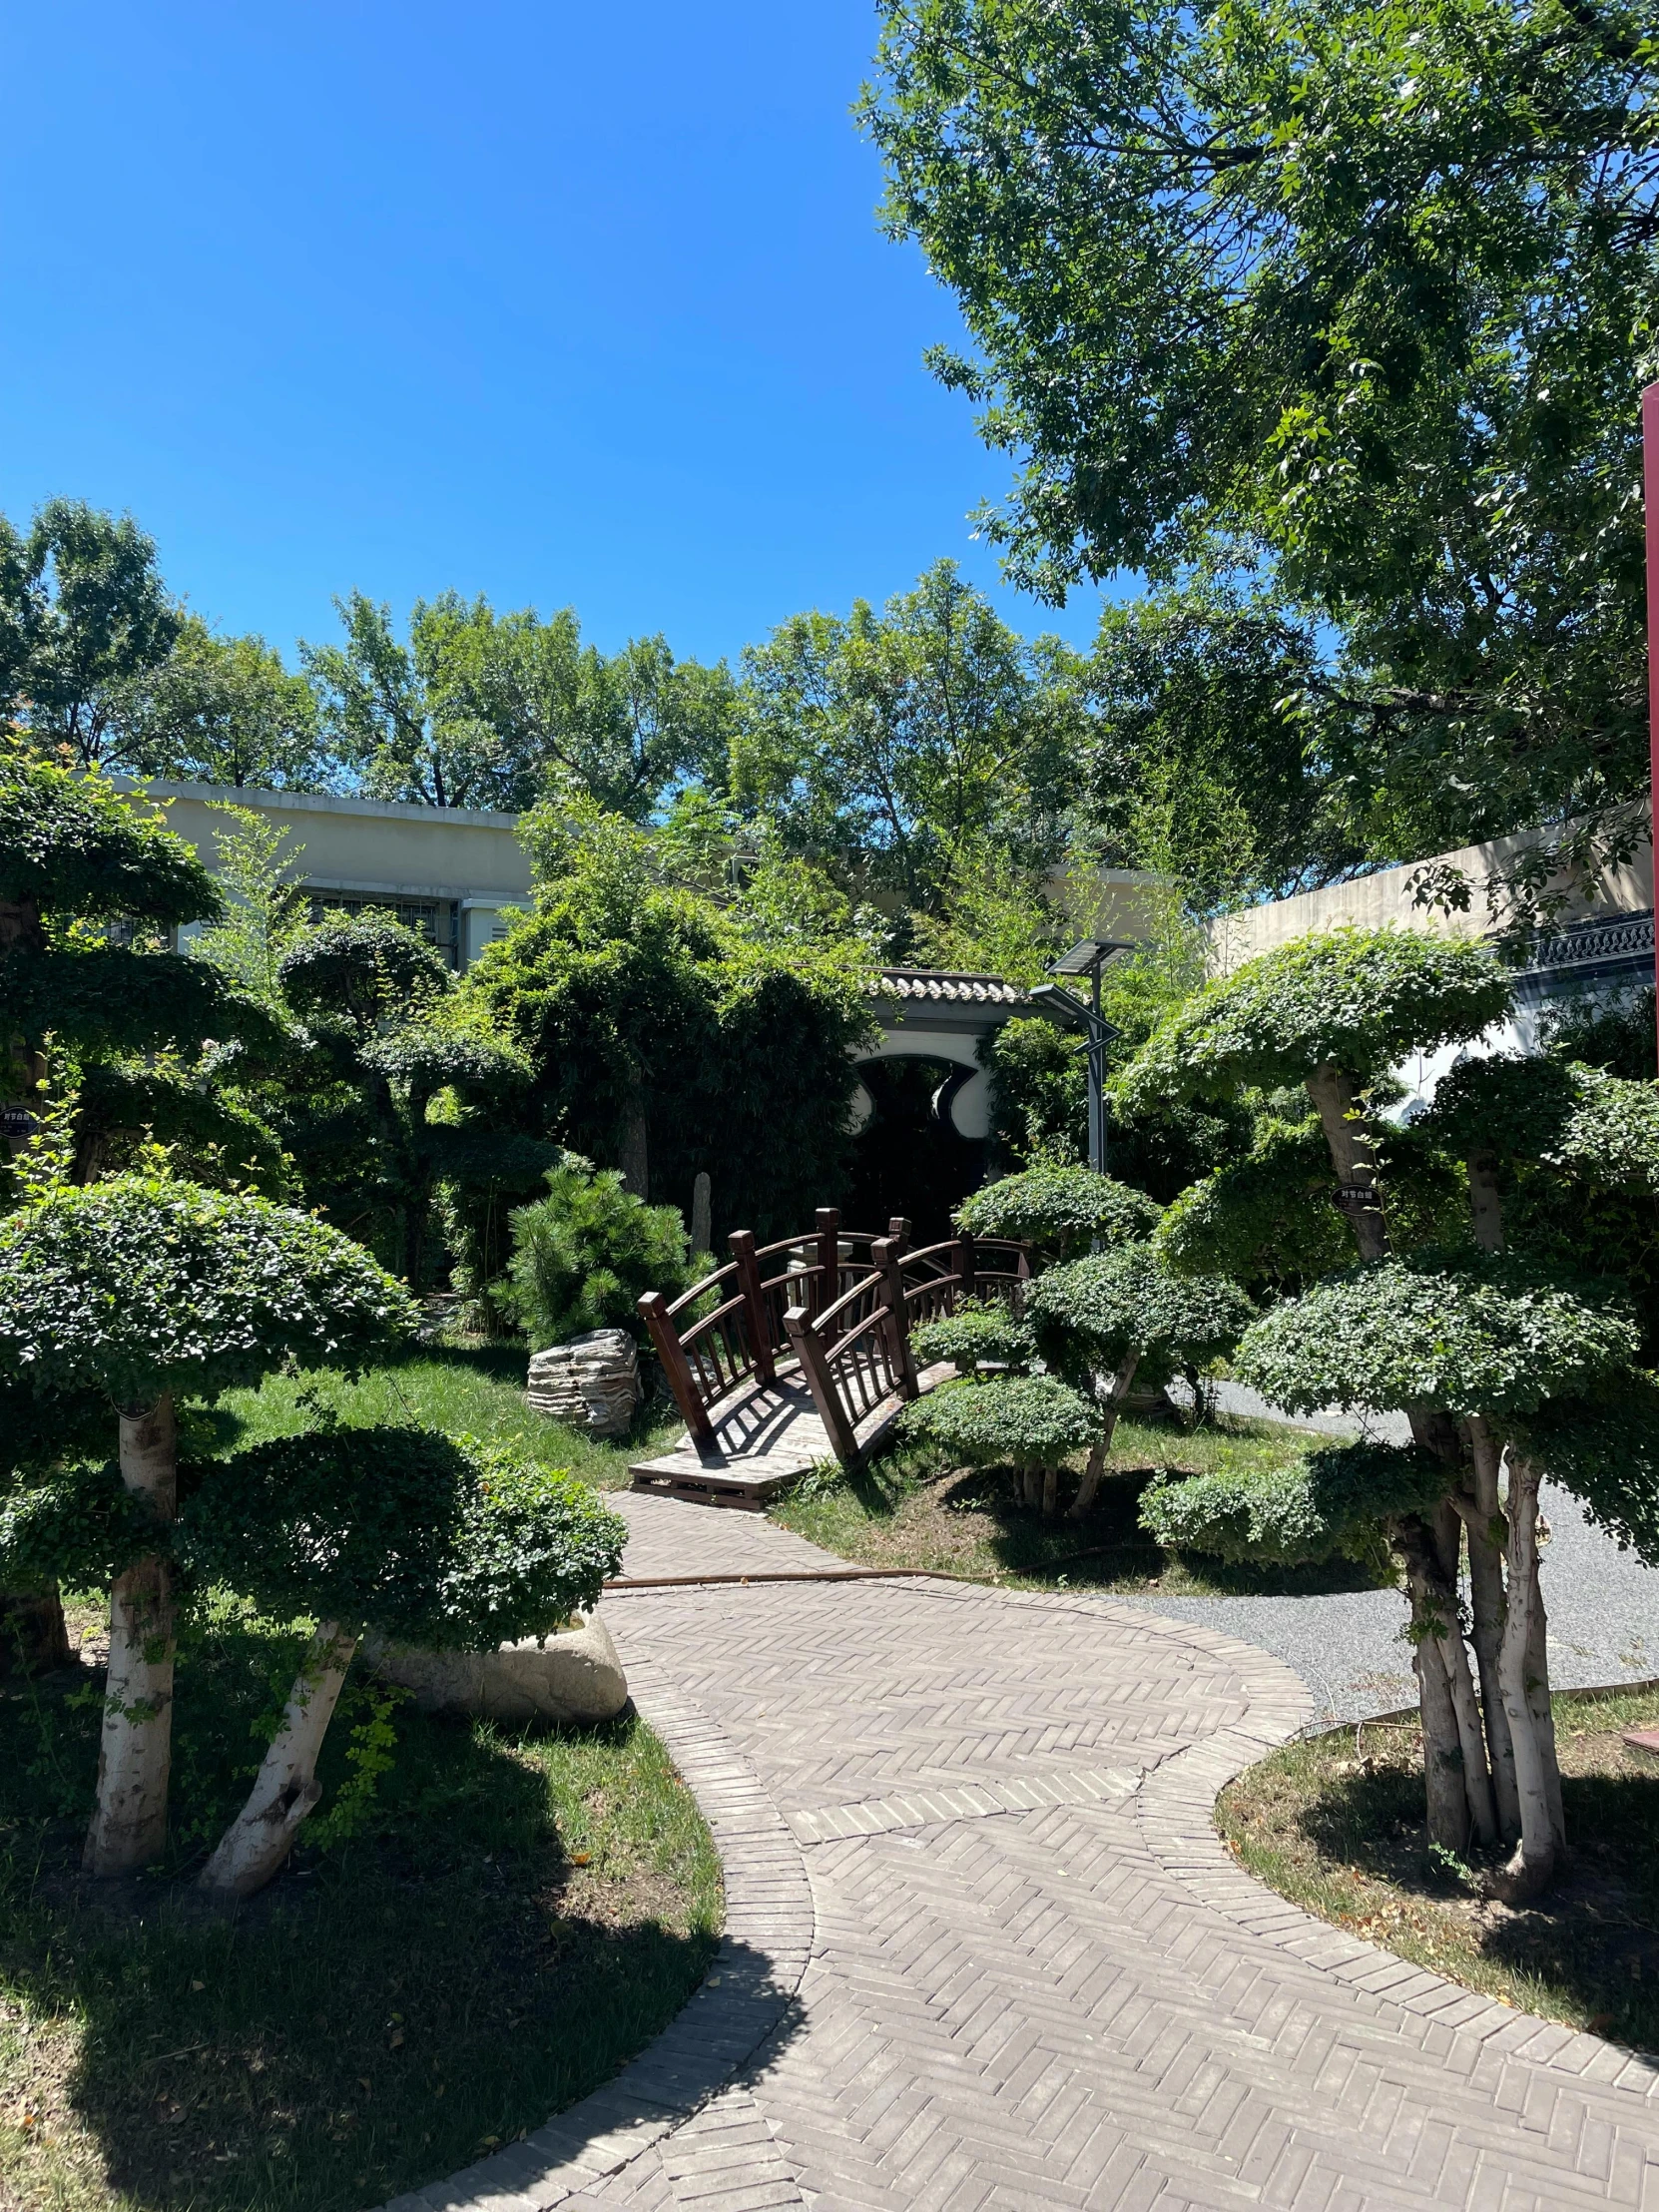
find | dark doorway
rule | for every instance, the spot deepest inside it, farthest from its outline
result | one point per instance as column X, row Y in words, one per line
column 908, row 1157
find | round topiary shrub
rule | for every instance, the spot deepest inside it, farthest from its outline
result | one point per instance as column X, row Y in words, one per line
column 1030, row 1422
column 980, row 1334
column 1059, row 1211
column 1333, row 1503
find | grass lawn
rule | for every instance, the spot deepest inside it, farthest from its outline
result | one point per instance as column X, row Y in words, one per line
column 906, row 1512
column 479, row 1388
column 514, row 1918
column 1336, row 1823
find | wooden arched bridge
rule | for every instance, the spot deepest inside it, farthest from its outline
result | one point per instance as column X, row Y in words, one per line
column 799, row 1351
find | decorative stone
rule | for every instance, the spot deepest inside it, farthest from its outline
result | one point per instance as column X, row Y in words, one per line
column 574, row 1677
column 591, row 1382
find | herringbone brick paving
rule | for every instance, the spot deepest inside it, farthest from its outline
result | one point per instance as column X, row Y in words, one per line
column 952, row 2005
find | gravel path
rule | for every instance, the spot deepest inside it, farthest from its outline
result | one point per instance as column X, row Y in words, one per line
column 1603, row 1608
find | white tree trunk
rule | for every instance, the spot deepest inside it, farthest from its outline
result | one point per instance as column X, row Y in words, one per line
column 1051, row 1491
column 286, row 1788
column 1529, row 1869
column 1486, row 1531
column 1089, row 1488
column 134, row 1751
column 1543, row 1717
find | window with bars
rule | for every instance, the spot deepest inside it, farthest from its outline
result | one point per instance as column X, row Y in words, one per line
column 434, row 919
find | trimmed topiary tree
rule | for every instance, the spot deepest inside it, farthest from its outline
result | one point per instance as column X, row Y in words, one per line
column 1337, row 1503
column 1030, row 1422
column 1491, row 1343
column 1059, row 1212
column 1100, row 1321
column 980, row 1332
column 140, row 1290
column 443, row 1542
column 1334, row 1012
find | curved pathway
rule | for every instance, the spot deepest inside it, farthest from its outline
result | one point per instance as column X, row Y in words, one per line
column 985, row 1949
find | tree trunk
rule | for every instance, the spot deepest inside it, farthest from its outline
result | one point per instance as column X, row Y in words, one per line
column 1089, row 1488
column 1484, row 1527
column 1332, row 1090
column 1453, row 1744
column 135, row 1751
column 636, row 1150
column 33, row 1637
column 1486, row 1201
column 254, row 1847
column 1051, row 1492
column 1543, row 1717
column 1532, row 1865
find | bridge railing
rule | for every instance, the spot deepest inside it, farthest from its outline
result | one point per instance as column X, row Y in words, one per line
column 840, row 1302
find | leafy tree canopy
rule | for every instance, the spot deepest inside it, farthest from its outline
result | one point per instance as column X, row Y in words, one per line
column 1357, row 999
column 1474, row 1333
column 1367, row 291
column 223, row 711
column 84, row 616
column 139, row 1284
column 1020, row 1421
column 888, row 743
column 1589, row 1124
column 445, row 1542
column 1090, row 1313
column 1332, row 1503
column 73, row 846
column 1059, row 1209
column 978, row 1332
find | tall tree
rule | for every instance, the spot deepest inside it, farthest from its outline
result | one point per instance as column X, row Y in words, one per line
column 84, row 616
column 1203, row 762
column 222, row 710
column 1368, row 289
column 889, row 742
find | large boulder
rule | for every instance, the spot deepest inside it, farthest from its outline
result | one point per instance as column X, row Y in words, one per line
column 591, row 1382
column 573, row 1677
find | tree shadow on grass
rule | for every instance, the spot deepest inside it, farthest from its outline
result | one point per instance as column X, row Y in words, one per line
column 385, row 2012
column 1593, row 1941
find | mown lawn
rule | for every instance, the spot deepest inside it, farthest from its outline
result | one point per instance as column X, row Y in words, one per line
column 476, row 1388
column 908, row 1511
column 1336, row 1823
column 515, row 1916
column 482, row 1940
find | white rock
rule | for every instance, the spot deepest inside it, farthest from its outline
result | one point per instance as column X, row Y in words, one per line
column 591, row 1382
column 572, row 1677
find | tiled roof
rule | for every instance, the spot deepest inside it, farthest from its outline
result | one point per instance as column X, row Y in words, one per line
column 944, row 984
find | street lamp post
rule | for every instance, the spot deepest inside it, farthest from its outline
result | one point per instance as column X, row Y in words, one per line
column 1089, row 958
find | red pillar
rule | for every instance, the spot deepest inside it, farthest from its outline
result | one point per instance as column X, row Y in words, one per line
column 1650, row 476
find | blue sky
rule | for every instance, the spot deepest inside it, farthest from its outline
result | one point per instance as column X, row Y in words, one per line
column 567, row 305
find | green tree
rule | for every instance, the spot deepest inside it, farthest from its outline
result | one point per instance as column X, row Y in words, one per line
column 222, row 710
column 140, row 1292
column 585, row 1255
column 669, row 1037
column 1368, row 291
column 391, row 1093
column 84, row 616
column 87, row 881
column 401, row 1531
column 893, row 745
column 1202, row 762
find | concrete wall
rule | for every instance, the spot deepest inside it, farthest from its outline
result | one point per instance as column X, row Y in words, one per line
column 1386, row 900
column 462, row 857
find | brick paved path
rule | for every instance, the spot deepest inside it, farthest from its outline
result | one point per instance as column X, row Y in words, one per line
column 985, row 1949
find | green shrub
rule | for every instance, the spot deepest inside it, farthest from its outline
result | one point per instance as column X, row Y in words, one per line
column 1090, row 1314
column 980, row 1334
column 1332, row 1502
column 1060, row 1211
column 442, row 1541
column 1007, row 1421
column 584, row 1254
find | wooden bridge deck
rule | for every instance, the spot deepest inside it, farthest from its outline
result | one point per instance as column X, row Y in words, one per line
column 765, row 1436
